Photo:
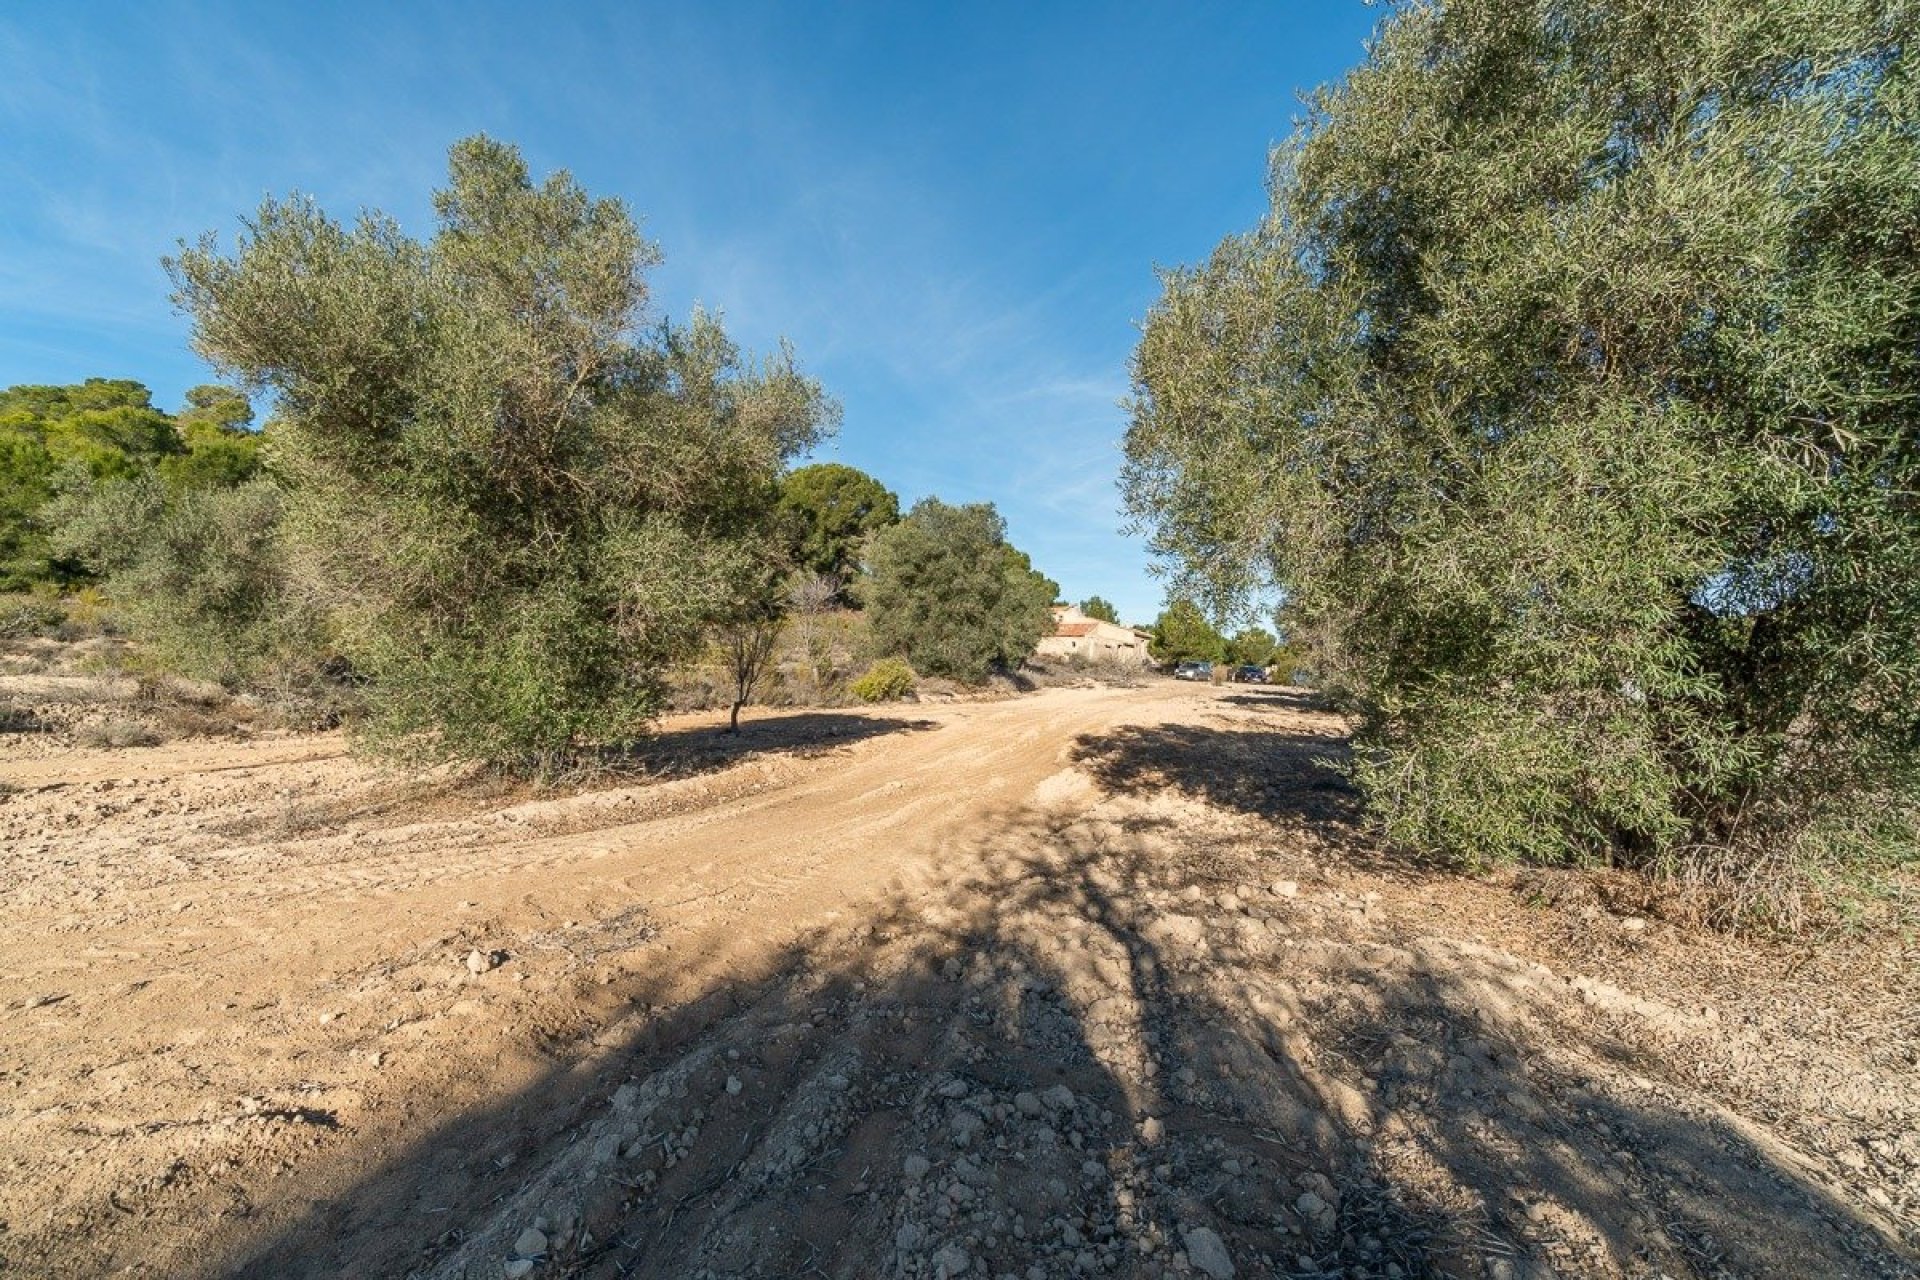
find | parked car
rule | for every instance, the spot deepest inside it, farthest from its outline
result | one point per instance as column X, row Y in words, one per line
column 1250, row 674
column 1201, row 671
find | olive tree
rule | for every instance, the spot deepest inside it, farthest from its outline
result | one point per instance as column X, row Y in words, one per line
column 201, row 573
column 518, row 495
column 950, row 595
column 1568, row 392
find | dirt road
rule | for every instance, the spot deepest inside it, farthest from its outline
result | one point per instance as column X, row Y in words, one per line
column 1094, row 981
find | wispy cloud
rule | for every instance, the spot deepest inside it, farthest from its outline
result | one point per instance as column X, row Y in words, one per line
column 951, row 212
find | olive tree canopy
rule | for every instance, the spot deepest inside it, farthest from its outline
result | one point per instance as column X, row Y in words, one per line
column 516, row 496
column 1569, row 391
column 952, row 596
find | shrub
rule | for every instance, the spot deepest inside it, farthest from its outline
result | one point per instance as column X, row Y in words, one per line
column 203, row 575
column 115, row 734
column 951, row 596
column 516, row 499
column 15, row 718
column 887, row 680
column 27, row 614
column 1568, row 393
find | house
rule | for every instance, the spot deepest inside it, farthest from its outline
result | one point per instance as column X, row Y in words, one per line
column 1075, row 635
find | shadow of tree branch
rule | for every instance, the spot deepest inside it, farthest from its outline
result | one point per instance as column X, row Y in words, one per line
column 1072, row 1053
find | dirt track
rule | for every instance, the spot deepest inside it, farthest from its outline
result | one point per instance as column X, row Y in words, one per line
column 984, row 989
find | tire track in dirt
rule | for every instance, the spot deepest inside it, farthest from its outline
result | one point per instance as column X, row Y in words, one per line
column 237, row 945
column 984, row 989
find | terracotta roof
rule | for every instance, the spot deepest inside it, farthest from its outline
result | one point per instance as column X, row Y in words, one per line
column 1074, row 628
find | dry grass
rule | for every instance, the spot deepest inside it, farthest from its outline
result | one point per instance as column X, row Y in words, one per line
column 1056, row 673
column 116, row 733
column 15, row 718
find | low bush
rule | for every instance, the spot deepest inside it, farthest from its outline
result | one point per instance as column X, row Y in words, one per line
column 15, row 718
column 885, row 681
column 116, row 733
column 202, row 576
column 24, row 614
column 312, row 695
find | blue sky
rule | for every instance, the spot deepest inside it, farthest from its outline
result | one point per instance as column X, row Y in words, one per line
column 954, row 212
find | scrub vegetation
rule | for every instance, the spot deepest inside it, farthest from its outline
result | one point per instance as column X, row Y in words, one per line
column 1567, row 392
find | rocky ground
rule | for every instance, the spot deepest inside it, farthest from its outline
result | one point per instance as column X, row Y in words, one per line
column 1095, row 982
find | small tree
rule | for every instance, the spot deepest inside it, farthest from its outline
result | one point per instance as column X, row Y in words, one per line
column 830, row 510
column 518, row 502
column 747, row 631
column 1253, row 647
column 1182, row 634
column 951, row 596
column 810, row 600
column 1095, row 607
column 747, row 646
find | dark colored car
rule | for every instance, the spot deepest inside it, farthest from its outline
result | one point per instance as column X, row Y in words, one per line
column 1250, row 674
column 1193, row 671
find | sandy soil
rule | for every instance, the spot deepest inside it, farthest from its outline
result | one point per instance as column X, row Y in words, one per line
column 1090, row 982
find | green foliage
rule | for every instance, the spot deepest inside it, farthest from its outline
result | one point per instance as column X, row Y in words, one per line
column 57, row 438
column 213, row 409
column 887, row 680
column 1095, row 607
column 202, row 573
column 220, row 449
column 1294, row 663
column 747, row 627
column 1182, row 634
column 950, row 595
column 1253, row 646
column 50, row 436
column 515, row 506
column 830, row 511
column 1569, row 390
column 38, row 612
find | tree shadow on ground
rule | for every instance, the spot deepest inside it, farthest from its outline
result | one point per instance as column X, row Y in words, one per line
column 682, row 752
column 1072, row 1055
column 1292, row 775
column 1277, row 697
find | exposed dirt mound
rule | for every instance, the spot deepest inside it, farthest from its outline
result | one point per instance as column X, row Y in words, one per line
column 1095, row 982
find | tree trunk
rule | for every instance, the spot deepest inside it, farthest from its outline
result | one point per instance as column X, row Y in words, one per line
column 734, row 727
